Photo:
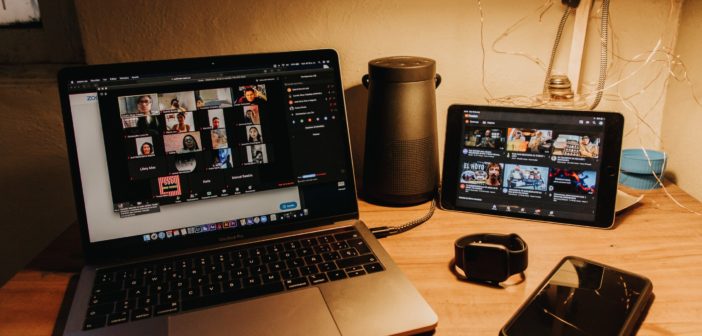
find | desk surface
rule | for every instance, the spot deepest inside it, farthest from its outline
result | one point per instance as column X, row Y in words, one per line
column 657, row 239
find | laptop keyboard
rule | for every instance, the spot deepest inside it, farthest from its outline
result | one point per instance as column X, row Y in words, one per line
column 184, row 283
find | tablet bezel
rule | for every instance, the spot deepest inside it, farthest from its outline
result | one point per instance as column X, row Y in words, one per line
column 609, row 169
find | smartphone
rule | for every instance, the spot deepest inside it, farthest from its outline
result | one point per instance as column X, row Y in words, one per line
column 583, row 297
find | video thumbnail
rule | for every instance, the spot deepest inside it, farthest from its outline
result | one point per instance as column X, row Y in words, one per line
column 146, row 167
column 176, row 101
column 206, row 184
column 576, row 145
column 525, row 177
column 482, row 137
column 222, row 159
column 252, row 94
column 256, row 154
column 180, row 122
column 251, row 114
column 169, row 186
column 254, row 133
column 573, row 181
column 529, row 139
column 219, row 138
column 183, row 163
column 144, row 146
column 138, row 104
column 182, row 142
column 215, row 117
column 213, row 98
column 139, row 115
column 482, row 173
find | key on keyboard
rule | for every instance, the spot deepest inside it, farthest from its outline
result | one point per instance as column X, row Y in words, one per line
column 183, row 283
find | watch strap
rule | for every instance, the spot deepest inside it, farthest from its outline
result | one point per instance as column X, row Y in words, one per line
column 514, row 245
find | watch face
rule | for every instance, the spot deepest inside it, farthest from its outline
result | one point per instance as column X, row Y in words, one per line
column 486, row 262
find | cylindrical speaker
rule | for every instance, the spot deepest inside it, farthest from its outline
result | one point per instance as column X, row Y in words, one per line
column 401, row 159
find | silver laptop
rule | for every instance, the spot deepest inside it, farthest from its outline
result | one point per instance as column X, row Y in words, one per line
column 216, row 196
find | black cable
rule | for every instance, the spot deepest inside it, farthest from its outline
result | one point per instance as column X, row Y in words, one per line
column 384, row 231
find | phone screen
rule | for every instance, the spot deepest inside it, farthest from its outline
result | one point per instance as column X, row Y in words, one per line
column 581, row 298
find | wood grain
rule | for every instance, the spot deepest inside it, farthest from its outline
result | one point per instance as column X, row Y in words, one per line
column 30, row 302
column 657, row 239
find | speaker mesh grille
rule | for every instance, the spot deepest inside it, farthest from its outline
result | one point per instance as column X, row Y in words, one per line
column 411, row 168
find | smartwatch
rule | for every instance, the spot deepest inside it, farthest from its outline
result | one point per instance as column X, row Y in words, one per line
column 491, row 257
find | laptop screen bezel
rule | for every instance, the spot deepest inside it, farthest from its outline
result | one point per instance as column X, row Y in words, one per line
column 104, row 251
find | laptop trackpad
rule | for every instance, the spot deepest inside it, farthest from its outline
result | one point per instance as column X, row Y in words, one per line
column 299, row 312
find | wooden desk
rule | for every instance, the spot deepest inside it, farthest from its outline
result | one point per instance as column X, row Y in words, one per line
column 657, row 239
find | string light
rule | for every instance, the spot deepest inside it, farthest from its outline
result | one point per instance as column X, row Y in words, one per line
column 671, row 65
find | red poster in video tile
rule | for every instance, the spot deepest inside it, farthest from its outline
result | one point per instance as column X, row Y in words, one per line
column 169, row 185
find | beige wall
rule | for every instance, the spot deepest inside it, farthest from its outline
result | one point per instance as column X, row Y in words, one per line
column 683, row 115
column 37, row 203
column 57, row 41
column 447, row 31
column 38, row 200
column 35, row 170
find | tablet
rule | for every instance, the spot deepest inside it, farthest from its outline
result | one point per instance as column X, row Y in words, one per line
column 551, row 165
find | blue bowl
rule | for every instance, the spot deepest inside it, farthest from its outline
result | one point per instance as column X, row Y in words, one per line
column 634, row 161
column 639, row 181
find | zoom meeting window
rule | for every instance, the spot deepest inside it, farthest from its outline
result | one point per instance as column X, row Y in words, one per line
column 532, row 164
column 179, row 143
column 214, row 150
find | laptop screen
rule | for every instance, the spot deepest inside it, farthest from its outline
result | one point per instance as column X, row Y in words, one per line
column 177, row 149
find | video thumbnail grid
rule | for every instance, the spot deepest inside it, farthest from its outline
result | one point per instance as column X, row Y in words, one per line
column 534, row 163
column 178, row 140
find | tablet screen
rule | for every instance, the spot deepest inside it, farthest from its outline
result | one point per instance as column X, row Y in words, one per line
column 531, row 163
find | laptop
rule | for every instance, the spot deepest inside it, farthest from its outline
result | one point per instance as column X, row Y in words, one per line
column 216, row 196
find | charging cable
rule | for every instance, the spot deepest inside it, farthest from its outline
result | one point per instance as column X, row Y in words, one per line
column 384, row 231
